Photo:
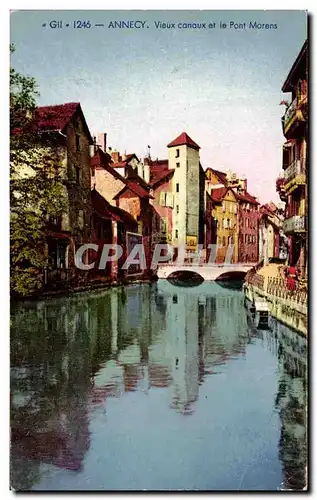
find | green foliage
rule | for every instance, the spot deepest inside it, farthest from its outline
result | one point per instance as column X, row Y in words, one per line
column 36, row 187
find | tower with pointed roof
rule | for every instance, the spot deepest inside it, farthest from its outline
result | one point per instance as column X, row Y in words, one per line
column 183, row 158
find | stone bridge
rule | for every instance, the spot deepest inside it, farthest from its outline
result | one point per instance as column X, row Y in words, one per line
column 209, row 272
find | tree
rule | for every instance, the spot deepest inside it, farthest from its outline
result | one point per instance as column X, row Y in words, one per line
column 36, row 187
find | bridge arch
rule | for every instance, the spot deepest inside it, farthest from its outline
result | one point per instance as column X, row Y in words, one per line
column 232, row 276
column 185, row 277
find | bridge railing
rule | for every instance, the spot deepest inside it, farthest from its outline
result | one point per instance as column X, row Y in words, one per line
column 277, row 287
column 206, row 264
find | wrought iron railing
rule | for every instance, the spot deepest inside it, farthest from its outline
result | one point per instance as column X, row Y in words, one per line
column 278, row 287
column 294, row 170
column 294, row 224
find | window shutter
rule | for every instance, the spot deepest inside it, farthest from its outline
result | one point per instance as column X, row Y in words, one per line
column 169, row 200
column 162, row 199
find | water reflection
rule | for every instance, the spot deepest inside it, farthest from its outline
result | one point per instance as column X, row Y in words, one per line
column 182, row 349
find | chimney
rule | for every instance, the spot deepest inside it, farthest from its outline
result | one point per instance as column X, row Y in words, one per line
column 245, row 184
column 124, row 156
column 115, row 155
column 102, row 141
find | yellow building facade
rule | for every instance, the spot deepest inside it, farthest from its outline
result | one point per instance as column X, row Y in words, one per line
column 225, row 212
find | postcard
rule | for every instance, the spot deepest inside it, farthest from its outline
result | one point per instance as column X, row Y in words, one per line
column 159, row 250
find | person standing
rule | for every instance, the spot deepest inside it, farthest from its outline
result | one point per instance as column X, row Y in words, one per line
column 291, row 278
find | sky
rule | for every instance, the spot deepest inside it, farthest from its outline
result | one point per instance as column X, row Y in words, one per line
column 144, row 86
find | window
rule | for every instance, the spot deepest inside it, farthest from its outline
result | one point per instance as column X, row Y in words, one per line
column 235, row 208
column 163, row 225
column 177, row 153
column 177, row 187
column 223, row 206
column 246, row 222
column 224, row 241
column 163, row 196
column 246, row 239
column 176, row 233
column 57, row 254
column 169, row 200
column 55, row 221
column 177, row 209
column 230, row 223
column 175, row 299
column 219, row 240
column 77, row 142
column 178, row 165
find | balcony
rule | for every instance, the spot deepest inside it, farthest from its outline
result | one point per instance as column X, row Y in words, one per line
column 293, row 116
column 294, row 175
column 295, row 224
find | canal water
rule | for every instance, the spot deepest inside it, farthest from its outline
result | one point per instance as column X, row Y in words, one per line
column 155, row 387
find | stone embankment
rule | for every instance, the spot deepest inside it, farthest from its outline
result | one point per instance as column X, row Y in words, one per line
column 288, row 307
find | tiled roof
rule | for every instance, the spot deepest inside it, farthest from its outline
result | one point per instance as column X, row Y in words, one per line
column 123, row 163
column 49, row 118
column 157, row 169
column 158, row 163
column 221, row 175
column 101, row 161
column 133, row 175
column 140, row 190
column 103, row 207
column 248, row 198
column 183, row 139
column 218, row 194
column 127, row 218
column 135, row 188
column 160, row 175
column 119, row 165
